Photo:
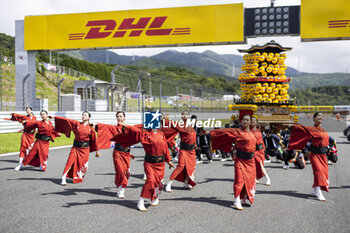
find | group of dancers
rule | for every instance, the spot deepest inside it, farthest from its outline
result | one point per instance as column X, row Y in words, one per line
column 247, row 143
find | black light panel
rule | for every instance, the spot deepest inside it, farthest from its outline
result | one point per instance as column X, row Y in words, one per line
column 267, row 21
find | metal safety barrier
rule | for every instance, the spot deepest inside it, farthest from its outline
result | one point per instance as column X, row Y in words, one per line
column 132, row 118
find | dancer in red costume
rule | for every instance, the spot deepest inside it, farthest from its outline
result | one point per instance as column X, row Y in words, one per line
column 186, row 167
column 259, row 155
column 28, row 138
column 320, row 139
column 157, row 153
column 121, row 155
column 85, row 142
column 39, row 154
column 245, row 171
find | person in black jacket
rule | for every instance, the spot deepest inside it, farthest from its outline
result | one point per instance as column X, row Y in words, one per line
column 203, row 145
column 272, row 145
column 293, row 155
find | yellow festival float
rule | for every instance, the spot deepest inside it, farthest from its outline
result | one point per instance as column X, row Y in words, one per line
column 265, row 85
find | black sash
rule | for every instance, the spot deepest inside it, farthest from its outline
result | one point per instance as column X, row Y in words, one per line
column 81, row 144
column 118, row 147
column 43, row 137
column 319, row 150
column 244, row 155
column 154, row 159
column 27, row 131
column 186, row 146
column 259, row 147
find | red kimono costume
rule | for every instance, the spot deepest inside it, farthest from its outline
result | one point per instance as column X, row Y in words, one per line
column 157, row 153
column 318, row 158
column 39, row 153
column 245, row 144
column 85, row 142
column 186, row 166
column 28, row 138
column 259, row 154
column 121, row 155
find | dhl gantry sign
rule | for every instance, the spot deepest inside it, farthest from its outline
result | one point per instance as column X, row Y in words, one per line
column 324, row 20
column 180, row 26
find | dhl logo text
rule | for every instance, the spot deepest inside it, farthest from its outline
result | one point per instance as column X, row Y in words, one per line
column 338, row 23
column 105, row 28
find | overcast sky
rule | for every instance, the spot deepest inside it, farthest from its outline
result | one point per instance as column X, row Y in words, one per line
column 320, row 57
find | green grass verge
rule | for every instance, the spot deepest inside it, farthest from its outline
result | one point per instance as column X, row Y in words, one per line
column 11, row 142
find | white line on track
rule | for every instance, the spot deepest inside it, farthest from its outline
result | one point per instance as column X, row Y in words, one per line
column 16, row 153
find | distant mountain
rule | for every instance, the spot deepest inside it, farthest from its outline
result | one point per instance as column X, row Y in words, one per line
column 208, row 60
column 153, row 63
column 103, row 56
column 305, row 80
column 206, row 63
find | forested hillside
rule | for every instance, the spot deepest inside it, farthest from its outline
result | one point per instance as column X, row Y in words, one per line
column 325, row 95
column 199, row 69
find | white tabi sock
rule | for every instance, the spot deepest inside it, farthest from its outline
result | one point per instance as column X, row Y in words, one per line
column 121, row 192
column 18, row 167
column 155, row 202
column 20, row 159
column 319, row 194
column 313, row 192
column 168, row 186
column 237, row 203
column 64, row 181
column 141, row 205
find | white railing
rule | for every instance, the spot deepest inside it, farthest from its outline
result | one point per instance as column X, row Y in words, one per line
column 132, row 118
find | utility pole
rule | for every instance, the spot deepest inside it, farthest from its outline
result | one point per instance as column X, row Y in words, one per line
column 202, row 100
column 86, row 96
column 59, row 107
column 160, row 95
column 212, row 96
column 177, row 97
column 190, row 99
column 149, row 85
column 112, row 81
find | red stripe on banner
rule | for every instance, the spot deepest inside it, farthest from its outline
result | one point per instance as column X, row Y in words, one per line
column 338, row 23
column 334, row 21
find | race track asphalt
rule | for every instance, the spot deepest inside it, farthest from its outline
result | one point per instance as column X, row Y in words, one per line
column 34, row 201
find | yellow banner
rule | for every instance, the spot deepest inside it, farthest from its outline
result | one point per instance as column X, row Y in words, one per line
column 325, row 20
column 307, row 108
column 325, row 108
column 180, row 26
